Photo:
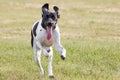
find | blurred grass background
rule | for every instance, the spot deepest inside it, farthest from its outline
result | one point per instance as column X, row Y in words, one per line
column 90, row 31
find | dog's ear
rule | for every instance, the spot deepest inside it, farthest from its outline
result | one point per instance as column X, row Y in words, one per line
column 45, row 8
column 56, row 10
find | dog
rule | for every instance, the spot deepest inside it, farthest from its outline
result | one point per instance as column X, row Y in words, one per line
column 44, row 34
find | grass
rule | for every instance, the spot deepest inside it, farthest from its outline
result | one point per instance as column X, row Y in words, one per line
column 90, row 31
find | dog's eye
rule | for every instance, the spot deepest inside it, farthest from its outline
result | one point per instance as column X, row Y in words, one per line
column 52, row 16
column 47, row 16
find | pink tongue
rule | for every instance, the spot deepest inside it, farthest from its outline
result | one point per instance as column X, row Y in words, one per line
column 49, row 33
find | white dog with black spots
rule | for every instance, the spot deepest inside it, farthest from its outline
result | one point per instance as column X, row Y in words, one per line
column 44, row 34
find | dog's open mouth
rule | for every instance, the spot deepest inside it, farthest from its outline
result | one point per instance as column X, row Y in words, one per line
column 49, row 33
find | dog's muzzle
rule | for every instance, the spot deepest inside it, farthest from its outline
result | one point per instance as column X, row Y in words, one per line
column 50, row 24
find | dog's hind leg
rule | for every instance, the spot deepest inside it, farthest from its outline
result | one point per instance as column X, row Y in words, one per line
column 37, row 56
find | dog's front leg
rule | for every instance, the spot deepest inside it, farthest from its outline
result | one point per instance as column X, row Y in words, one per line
column 50, row 73
column 61, row 50
column 41, row 48
column 58, row 46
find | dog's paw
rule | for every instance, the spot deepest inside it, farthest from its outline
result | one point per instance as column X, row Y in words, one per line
column 62, row 57
column 51, row 76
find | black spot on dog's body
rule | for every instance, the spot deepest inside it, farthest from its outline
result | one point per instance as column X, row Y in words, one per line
column 48, row 50
column 33, row 32
column 31, row 38
column 40, row 29
column 34, row 28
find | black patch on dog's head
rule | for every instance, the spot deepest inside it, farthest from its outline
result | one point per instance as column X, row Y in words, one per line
column 49, row 19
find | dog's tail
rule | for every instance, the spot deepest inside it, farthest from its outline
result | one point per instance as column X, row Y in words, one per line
column 32, row 38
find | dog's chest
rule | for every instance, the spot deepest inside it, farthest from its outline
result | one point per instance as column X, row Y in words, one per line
column 47, row 43
column 42, row 36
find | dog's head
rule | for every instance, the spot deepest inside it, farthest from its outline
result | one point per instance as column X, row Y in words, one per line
column 49, row 19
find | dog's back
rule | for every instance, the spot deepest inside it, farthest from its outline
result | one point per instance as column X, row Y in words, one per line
column 33, row 32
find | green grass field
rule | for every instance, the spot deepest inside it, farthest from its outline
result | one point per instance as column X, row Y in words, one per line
column 90, row 32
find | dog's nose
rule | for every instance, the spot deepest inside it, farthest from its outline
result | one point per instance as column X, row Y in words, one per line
column 50, row 24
